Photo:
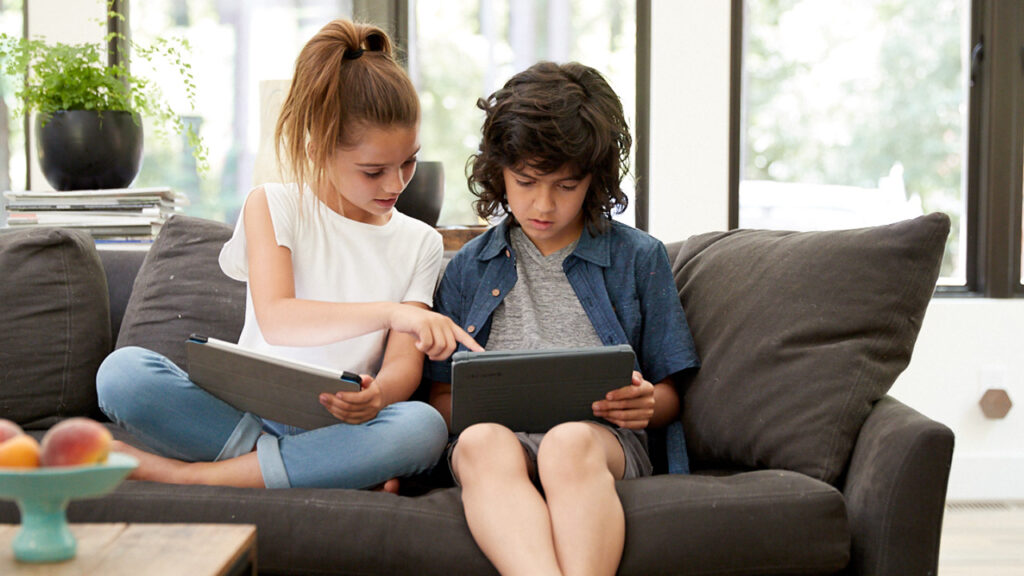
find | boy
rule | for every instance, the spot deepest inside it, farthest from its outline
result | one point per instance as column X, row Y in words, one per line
column 559, row 272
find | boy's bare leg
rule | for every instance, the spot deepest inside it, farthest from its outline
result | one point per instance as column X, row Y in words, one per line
column 578, row 464
column 243, row 471
column 506, row 514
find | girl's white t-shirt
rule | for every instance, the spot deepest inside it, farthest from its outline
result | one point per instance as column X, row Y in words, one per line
column 335, row 259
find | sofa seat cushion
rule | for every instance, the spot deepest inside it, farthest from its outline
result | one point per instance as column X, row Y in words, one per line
column 759, row 522
column 799, row 334
column 180, row 290
column 54, row 325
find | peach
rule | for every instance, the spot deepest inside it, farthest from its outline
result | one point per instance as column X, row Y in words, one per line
column 74, row 442
column 9, row 429
column 21, row 451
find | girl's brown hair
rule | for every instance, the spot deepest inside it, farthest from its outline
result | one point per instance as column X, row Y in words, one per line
column 546, row 117
column 346, row 79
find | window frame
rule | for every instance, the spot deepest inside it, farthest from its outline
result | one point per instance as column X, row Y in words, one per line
column 995, row 147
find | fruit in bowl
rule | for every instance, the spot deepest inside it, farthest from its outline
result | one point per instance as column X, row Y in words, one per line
column 17, row 449
column 74, row 442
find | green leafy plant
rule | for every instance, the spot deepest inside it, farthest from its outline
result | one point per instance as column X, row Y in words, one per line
column 56, row 76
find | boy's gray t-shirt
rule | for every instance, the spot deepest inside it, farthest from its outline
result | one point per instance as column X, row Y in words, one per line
column 542, row 309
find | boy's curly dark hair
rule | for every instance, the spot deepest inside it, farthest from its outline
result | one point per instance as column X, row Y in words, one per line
column 545, row 117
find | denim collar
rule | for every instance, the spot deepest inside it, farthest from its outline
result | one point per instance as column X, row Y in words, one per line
column 595, row 249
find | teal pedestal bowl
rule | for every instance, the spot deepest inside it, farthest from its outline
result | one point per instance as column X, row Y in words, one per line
column 43, row 495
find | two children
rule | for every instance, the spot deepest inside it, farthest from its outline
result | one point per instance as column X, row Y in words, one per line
column 559, row 272
column 330, row 281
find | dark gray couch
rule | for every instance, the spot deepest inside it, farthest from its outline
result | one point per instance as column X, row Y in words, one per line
column 802, row 463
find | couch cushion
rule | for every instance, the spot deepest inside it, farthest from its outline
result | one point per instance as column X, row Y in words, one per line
column 181, row 290
column 55, row 320
column 799, row 334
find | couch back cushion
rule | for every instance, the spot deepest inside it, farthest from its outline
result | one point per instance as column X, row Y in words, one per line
column 180, row 290
column 54, row 325
column 799, row 334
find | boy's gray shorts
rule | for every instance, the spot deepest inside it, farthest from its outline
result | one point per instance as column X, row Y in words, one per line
column 633, row 442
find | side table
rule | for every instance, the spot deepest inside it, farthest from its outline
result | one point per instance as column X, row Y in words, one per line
column 151, row 549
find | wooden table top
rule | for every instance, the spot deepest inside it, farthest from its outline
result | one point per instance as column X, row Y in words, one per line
column 151, row 549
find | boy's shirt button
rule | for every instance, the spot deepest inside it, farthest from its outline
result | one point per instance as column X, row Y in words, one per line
column 495, row 292
column 471, row 329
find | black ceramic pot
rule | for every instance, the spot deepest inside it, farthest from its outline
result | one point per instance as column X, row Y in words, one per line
column 88, row 150
column 423, row 197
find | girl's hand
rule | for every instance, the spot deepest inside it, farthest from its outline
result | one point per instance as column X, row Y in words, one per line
column 356, row 407
column 437, row 336
column 630, row 406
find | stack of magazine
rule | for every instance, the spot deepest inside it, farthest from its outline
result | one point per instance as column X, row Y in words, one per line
column 121, row 215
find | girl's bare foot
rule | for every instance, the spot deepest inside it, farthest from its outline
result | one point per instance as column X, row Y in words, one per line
column 152, row 467
column 242, row 471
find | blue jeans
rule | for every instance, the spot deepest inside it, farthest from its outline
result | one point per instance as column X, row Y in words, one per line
column 154, row 399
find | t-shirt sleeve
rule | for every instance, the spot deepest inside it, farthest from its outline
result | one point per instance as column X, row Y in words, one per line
column 668, row 345
column 428, row 266
column 233, row 259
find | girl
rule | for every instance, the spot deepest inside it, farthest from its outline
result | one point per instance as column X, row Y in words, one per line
column 335, row 277
column 559, row 272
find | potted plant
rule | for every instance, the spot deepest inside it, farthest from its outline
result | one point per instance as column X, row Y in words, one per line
column 89, row 111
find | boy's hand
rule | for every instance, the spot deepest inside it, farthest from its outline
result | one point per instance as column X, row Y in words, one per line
column 356, row 407
column 437, row 336
column 630, row 406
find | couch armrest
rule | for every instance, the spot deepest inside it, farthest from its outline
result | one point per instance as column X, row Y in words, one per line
column 895, row 491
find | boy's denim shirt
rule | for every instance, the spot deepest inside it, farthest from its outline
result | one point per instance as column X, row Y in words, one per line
column 624, row 282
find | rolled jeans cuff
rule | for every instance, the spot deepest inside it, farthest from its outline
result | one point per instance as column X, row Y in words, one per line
column 242, row 438
column 268, row 452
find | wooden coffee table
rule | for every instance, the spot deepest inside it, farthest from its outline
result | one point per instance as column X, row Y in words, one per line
column 151, row 549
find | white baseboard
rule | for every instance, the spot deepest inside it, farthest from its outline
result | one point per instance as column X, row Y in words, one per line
column 986, row 478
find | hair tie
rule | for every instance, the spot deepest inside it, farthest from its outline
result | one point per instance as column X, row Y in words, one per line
column 352, row 54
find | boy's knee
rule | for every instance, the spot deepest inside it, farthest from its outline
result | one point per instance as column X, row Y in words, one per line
column 487, row 447
column 569, row 451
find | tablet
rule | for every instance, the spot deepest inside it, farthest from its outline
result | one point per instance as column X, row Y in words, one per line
column 285, row 391
column 533, row 390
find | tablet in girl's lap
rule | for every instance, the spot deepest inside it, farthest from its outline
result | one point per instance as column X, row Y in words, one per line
column 278, row 389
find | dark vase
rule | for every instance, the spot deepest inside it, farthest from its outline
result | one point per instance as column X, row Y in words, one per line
column 89, row 150
column 424, row 195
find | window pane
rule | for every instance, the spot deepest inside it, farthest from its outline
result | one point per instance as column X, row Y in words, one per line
column 465, row 49
column 855, row 114
column 12, row 128
column 238, row 49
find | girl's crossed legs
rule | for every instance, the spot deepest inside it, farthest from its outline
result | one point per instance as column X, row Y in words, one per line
column 576, row 527
column 201, row 439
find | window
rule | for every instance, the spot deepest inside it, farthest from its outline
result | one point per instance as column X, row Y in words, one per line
column 457, row 52
column 466, row 49
column 856, row 113
column 13, row 168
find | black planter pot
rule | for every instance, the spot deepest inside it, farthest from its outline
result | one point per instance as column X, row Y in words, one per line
column 87, row 150
column 423, row 197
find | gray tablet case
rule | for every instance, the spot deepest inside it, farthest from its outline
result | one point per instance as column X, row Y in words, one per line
column 277, row 389
column 533, row 390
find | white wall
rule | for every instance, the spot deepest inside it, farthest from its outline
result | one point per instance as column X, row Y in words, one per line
column 965, row 346
column 80, row 21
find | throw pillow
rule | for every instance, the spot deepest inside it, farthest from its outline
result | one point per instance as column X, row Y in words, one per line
column 181, row 290
column 799, row 334
column 55, row 315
